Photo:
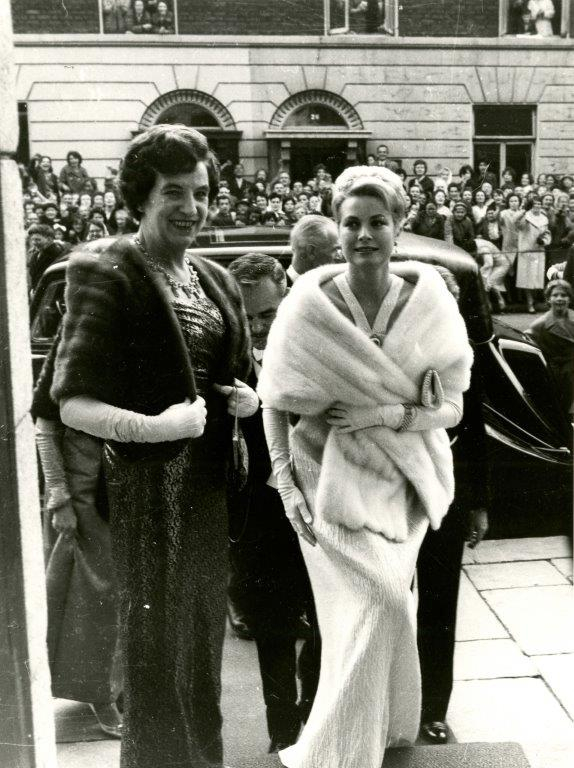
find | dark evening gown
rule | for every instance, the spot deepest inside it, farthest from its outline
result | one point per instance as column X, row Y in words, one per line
column 169, row 528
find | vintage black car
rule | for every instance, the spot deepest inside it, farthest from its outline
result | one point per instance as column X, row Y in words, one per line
column 529, row 438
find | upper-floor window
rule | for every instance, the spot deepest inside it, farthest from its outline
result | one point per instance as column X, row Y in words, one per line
column 362, row 17
column 539, row 18
column 139, row 17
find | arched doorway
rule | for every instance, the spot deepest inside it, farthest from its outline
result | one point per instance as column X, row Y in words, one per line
column 315, row 127
column 201, row 111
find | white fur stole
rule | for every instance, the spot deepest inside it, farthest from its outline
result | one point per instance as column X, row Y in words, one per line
column 315, row 357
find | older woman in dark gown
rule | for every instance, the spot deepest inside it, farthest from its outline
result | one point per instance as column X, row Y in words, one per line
column 151, row 347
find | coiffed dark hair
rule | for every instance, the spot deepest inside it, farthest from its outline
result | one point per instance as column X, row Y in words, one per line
column 165, row 149
column 74, row 153
column 41, row 229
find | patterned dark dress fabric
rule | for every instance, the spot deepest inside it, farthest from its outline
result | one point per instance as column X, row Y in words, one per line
column 169, row 529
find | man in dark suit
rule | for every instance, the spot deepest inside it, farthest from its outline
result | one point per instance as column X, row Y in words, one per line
column 238, row 186
column 269, row 583
column 440, row 557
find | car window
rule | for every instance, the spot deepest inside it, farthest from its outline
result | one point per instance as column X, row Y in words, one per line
column 50, row 312
column 529, row 366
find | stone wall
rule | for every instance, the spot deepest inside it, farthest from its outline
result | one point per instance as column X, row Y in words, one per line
column 250, row 17
column 416, row 99
column 55, row 17
column 448, row 18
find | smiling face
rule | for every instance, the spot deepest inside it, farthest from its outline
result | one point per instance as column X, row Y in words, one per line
column 94, row 233
column 559, row 300
column 261, row 300
column 454, row 193
column 366, row 232
column 536, row 207
column 176, row 209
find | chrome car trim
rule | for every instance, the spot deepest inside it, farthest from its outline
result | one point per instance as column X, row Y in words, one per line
column 515, row 445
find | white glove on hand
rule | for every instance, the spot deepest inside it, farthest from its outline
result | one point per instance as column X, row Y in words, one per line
column 298, row 513
column 347, row 418
column 180, row 421
column 240, row 396
column 64, row 520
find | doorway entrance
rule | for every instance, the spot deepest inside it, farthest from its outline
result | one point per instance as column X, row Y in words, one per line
column 308, row 153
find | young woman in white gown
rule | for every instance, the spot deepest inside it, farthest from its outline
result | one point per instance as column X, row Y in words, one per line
column 373, row 359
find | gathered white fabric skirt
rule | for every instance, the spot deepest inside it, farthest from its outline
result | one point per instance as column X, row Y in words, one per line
column 369, row 690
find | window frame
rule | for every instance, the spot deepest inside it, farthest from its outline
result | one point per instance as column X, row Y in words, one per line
column 173, row 9
column 327, row 19
column 391, row 8
column 503, row 140
column 504, row 8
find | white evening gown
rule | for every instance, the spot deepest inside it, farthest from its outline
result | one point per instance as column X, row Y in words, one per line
column 369, row 690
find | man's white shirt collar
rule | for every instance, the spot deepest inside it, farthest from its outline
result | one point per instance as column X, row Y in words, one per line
column 292, row 273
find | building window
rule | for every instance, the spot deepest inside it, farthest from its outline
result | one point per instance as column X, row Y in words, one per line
column 361, row 17
column 201, row 111
column 139, row 17
column 539, row 18
column 504, row 135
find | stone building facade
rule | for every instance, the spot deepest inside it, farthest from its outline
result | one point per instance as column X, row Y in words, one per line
column 291, row 84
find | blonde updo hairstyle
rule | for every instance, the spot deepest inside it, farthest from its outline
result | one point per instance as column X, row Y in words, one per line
column 371, row 181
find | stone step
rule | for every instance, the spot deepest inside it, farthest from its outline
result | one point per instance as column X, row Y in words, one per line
column 480, row 755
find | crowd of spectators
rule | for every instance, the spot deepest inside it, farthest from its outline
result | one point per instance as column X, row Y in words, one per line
column 138, row 17
column 517, row 228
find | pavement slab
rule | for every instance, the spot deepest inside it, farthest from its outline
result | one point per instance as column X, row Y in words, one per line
column 488, row 659
column 519, row 709
column 540, row 619
column 558, row 673
column 475, row 620
column 76, row 722
column 512, row 550
column 516, row 574
column 564, row 565
column 549, row 755
column 89, row 754
column 448, row 756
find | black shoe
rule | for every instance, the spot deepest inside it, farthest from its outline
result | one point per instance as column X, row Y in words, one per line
column 277, row 746
column 435, row 732
column 238, row 623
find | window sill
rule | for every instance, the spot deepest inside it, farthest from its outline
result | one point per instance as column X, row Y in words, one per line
column 284, row 41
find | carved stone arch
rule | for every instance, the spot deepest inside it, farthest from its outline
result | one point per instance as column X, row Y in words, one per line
column 315, row 96
column 187, row 96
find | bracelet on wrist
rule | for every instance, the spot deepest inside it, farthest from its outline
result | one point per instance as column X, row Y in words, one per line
column 408, row 417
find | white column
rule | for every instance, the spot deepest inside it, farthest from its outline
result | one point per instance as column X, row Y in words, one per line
column 26, row 714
